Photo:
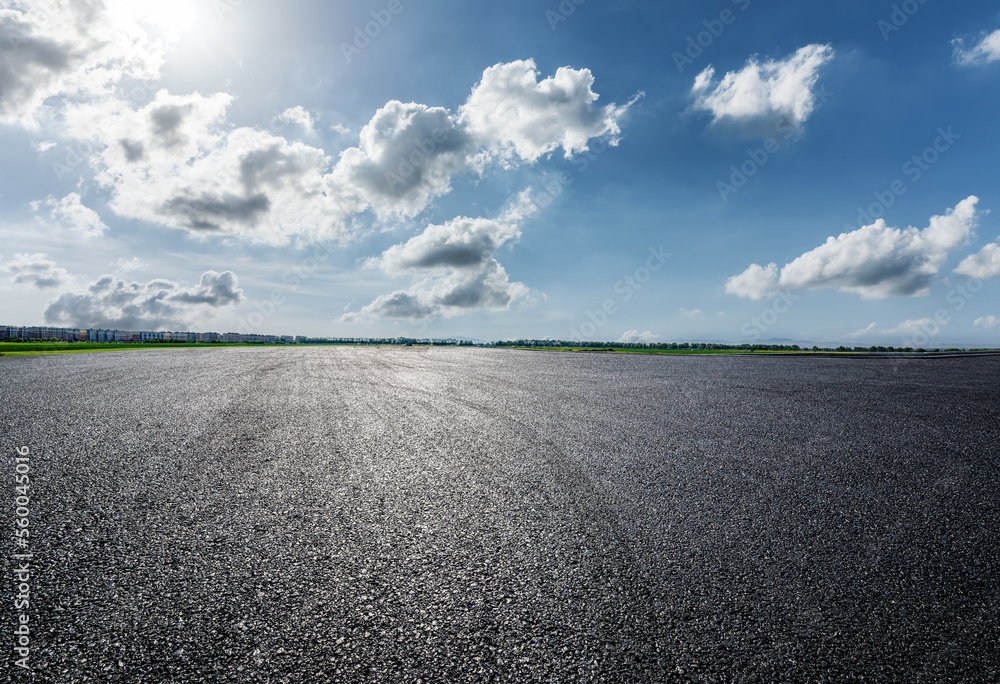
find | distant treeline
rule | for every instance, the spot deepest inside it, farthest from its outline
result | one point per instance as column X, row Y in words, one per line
column 383, row 341
column 698, row 346
column 554, row 344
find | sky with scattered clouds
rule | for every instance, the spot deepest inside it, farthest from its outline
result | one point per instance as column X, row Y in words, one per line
column 732, row 170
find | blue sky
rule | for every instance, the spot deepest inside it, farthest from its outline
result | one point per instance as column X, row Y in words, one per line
column 730, row 170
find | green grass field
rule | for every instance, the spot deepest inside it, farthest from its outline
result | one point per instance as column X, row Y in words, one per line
column 40, row 348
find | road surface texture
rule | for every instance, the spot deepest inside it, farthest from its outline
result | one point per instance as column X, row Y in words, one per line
column 449, row 515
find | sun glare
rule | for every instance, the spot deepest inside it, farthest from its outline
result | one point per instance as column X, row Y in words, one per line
column 171, row 17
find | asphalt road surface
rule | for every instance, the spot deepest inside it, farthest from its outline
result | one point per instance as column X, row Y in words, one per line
column 412, row 514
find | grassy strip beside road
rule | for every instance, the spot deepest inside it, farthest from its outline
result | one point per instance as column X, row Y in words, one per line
column 41, row 348
column 677, row 351
column 82, row 346
column 640, row 351
column 36, row 348
column 823, row 353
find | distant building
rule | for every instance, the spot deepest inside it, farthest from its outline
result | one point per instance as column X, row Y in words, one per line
column 13, row 332
column 35, row 332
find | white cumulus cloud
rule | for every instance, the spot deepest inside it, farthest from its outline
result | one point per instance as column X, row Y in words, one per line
column 297, row 116
column 407, row 155
column 177, row 162
column 983, row 264
column 756, row 282
column 454, row 267
column 123, row 265
column 70, row 212
column 460, row 243
column 36, row 270
column 764, row 98
column 985, row 51
column 77, row 48
column 515, row 114
column 111, row 302
column 634, row 336
column 487, row 287
column 875, row 261
column 987, row 322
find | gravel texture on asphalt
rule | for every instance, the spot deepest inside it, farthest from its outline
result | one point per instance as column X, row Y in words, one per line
column 440, row 514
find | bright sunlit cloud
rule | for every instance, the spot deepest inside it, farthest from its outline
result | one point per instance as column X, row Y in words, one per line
column 172, row 18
